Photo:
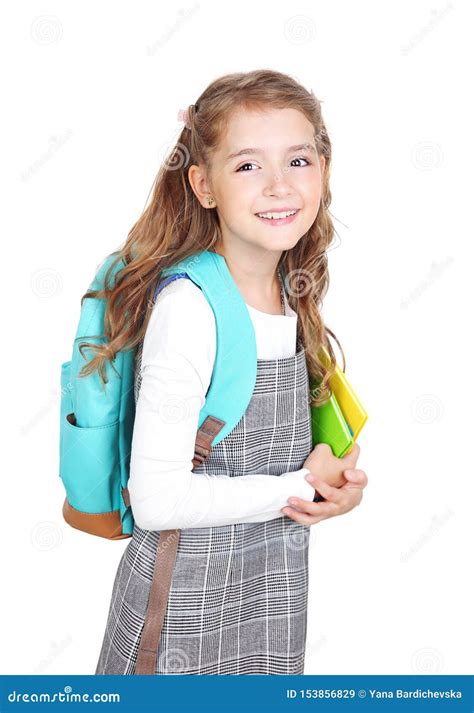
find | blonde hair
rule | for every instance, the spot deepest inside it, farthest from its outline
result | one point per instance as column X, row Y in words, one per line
column 174, row 226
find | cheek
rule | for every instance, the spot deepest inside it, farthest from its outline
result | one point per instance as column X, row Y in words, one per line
column 311, row 185
column 237, row 196
column 311, row 191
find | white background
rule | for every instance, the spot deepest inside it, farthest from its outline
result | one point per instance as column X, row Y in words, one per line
column 91, row 93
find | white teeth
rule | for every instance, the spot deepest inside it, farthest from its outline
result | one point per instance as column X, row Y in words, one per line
column 276, row 216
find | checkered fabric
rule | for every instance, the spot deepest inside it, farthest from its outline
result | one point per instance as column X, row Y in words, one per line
column 238, row 598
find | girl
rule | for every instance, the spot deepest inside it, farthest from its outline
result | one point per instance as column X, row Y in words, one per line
column 247, row 180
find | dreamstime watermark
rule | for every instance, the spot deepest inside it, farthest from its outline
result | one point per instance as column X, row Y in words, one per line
column 182, row 16
column 427, row 661
column 299, row 30
column 426, row 409
column 437, row 522
column 55, row 650
column 427, row 155
column 55, row 143
column 313, row 647
column 299, row 283
column 173, row 660
column 46, row 282
column 46, row 29
column 435, row 18
column 297, row 536
column 53, row 401
column 46, row 536
column 173, row 155
column 436, row 270
column 175, row 409
column 66, row 696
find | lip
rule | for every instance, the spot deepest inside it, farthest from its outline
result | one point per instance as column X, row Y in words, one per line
column 278, row 221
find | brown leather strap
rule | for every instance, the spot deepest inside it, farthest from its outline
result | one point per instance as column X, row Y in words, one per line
column 157, row 601
column 167, row 548
column 204, row 437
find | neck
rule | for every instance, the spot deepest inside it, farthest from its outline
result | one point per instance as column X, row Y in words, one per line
column 255, row 273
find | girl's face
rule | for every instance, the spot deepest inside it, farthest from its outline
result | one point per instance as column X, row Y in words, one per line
column 277, row 169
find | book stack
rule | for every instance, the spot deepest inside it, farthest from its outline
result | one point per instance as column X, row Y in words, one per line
column 340, row 420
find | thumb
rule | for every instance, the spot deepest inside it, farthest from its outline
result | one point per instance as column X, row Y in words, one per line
column 353, row 475
column 356, row 476
column 352, row 456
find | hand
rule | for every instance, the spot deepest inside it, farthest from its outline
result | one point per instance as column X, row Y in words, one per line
column 338, row 500
column 326, row 466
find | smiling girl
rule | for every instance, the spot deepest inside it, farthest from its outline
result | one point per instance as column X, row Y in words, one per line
column 248, row 180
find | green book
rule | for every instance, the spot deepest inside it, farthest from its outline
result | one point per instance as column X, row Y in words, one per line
column 329, row 426
column 339, row 421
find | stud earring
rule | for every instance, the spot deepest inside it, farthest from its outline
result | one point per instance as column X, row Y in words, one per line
column 210, row 200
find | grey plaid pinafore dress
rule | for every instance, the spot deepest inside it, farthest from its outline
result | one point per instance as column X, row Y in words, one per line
column 238, row 597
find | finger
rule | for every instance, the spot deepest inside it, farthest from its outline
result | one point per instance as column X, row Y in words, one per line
column 300, row 517
column 327, row 491
column 351, row 497
column 356, row 476
column 321, row 509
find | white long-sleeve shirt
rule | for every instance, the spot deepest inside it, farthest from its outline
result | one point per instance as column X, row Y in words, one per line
column 177, row 361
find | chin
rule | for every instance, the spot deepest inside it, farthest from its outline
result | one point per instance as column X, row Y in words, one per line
column 282, row 243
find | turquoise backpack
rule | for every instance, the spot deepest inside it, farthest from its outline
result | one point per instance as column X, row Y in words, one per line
column 97, row 420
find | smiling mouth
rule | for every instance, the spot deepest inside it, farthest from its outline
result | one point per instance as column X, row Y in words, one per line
column 277, row 214
column 278, row 217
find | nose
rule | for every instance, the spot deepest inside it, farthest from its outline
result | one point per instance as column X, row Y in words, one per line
column 278, row 185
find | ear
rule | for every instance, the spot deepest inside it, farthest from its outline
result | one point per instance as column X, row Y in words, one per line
column 200, row 184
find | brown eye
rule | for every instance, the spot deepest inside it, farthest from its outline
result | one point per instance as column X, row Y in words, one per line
column 245, row 164
column 302, row 158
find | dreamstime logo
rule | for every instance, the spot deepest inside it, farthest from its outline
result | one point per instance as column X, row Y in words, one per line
column 46, row 536
column 177, row 159
column 299, row 30
column 299, row 283
column 427, row 661
column 66, row 696
column 426, row 409
column 426, row 155
column 297, row 536
column 46, row 29
column 173, row 661
column 46, row 282
column 174, row 409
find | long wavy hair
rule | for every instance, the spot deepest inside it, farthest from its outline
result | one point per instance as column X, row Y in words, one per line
column 174, row 226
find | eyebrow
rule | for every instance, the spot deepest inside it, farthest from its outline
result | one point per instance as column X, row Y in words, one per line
column 296, row 147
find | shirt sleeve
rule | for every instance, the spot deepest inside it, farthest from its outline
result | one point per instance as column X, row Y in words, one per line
column 177, row 362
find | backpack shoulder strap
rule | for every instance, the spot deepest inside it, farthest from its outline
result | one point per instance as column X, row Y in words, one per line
column 209, row 426
column 235, row 366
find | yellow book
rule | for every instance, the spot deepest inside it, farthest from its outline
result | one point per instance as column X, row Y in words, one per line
column 339, row 421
